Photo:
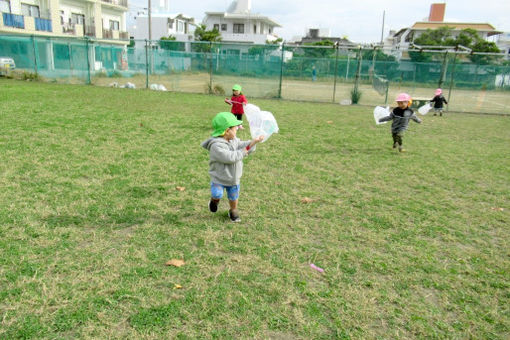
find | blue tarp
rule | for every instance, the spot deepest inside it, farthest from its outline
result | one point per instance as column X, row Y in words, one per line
column 43, row 24
column 13, row 20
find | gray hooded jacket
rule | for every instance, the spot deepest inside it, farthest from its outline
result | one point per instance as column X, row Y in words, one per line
column 226, row 159
column 400, row 119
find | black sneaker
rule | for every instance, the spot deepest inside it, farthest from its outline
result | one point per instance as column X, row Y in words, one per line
column 213, row 205
column 234, row 215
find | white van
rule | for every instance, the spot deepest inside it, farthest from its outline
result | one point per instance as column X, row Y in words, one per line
column 6, row 65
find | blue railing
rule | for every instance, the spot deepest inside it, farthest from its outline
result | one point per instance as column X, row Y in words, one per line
column 43, row 25
column 13, row 20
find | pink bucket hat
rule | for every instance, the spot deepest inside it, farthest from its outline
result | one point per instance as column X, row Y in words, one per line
column 403, row 97
column 438, row 92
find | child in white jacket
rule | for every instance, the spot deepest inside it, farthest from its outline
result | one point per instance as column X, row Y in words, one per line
column 226, row 154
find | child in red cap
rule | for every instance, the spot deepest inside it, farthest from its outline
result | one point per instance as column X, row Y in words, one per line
column 237, row 101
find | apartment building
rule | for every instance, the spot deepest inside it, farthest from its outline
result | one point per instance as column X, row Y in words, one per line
column 102, row 20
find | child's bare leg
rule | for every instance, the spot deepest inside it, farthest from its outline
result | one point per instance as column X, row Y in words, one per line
column 233, row 204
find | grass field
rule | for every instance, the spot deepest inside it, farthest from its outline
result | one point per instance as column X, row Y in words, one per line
column 414, row 245
column 460, row 100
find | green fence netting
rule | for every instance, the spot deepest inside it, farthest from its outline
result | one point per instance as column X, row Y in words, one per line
column 471, row 82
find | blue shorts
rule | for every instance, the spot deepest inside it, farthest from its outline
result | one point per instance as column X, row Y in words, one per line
column 232, row 191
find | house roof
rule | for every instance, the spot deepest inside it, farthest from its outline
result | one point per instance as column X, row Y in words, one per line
column 168, row 15
column 249, row 16
column 481, row 27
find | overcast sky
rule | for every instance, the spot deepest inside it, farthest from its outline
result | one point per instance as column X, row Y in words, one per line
column 358, row 20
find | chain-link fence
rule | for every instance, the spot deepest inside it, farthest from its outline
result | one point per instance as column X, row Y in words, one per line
column 471, row 82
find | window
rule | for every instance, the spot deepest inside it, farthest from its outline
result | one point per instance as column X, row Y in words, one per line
column 30, row 10
column 254, row 29
column 114, row 25
column 180, row 26
column 238, row 28
column 5, row 6
column 223, row 27
column 77, row 19
column 61, row 17
column 216, row 27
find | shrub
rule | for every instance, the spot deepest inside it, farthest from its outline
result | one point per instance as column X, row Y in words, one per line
column 355, row 95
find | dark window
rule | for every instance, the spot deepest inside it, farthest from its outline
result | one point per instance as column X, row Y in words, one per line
column 114, row 25
column 78, row 19
column 216, row 27
column 223, row 27
column 238, row 28
column 30, row 10
column 255, row 29
column 5, row 6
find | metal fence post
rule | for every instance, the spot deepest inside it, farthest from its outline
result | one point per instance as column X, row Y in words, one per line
column 210, row 68
column 281, row 72
column 35, row 54
column 443, row 70
column 358, row 71
column 70, row 57
column 452, row 78
column 336, row 71
column 146, row 64
column 88, row 61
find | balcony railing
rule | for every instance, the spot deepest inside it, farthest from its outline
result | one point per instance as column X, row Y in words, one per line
column 68, row 28
column 123, row 35
column 13, row 20
column 123, row 3
column 90, row 31
column 107, row 34
column 43, row 25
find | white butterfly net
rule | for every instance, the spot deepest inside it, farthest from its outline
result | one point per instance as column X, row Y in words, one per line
column 424, row 109
column 262, row 123
column 380, row 112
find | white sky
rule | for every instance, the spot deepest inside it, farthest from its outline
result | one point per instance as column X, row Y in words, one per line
column 358, row 20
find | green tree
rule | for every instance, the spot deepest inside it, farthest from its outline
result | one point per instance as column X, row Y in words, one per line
column 169, row 43
column 379, row 55
column 432, row 38
column 201, row 34
column 211, row 36
column 443, row 36
column 274, row 42
column 320, row 52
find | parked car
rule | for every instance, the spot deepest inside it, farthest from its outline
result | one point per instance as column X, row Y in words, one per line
column 6, row 64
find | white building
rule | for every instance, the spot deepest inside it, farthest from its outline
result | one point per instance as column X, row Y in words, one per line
column 163, row 25
column 239, row 24
column 503, row 43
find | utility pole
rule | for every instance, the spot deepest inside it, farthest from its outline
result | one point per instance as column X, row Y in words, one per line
column 382, row 30
column 150, row 22
column 150, row 34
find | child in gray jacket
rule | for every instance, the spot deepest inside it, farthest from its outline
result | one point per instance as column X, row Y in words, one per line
column 226, row 154
column 400, row 117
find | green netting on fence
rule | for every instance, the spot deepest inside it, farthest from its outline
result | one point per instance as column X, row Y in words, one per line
column 473, row 83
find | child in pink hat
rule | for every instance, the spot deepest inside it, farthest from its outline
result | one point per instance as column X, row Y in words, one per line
column 438, row 101
column 400, row 117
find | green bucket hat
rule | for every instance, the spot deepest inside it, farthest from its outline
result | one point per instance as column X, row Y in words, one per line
column 237, row 87
column 222, row 121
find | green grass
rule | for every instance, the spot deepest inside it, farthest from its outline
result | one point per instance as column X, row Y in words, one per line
column 412, row 244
